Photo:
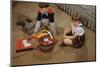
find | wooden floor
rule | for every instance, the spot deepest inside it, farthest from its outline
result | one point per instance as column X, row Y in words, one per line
column 59, row 54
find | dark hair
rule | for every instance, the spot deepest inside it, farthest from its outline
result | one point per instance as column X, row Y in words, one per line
column 43, row 5
column 29, row 20
column 76, row 18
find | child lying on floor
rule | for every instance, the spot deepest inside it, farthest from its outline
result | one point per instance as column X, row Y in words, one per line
column 27, row 26
column 75, row 35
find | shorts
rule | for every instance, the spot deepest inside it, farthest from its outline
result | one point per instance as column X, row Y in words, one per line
column 76, row 41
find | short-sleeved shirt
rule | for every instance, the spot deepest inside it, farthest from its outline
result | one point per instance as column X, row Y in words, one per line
column 79, row 31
